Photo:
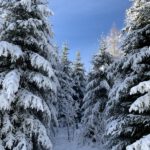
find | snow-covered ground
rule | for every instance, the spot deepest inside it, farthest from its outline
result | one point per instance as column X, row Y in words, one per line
column 62, row 143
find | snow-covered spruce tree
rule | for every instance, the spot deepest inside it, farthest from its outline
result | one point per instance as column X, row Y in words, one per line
column 66, row 110
column 128, row 106
column 25, row 75
column 96, row 95
column 79, row 79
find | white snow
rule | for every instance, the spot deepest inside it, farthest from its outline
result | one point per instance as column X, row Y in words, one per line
column 142, row 87
column 7, row 49
column 37, row 128
column 7, row 126
column 45, row 10
column 38, row 61
column 1, row 146
column 142, row 144
column 111, row 128
column 10, row 139
column 41, row 81
column 31, row 22
column 10, row 86
column 11, row 83
column 141, row 104
column 4, row 104
column 62, row 143
column 26, row 3
column 23, row 143
column 29, row 100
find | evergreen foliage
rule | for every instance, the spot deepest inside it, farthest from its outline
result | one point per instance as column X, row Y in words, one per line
column 25, row 76
column 79, row 79
column 128, row 106
column 40, row 90
column 96, row 94
column 66, row 109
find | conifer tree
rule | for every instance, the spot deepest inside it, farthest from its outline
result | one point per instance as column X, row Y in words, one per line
column 96, row 94
column 128, row 106
column 79, row 86
column 66, row 110
column 25, row 75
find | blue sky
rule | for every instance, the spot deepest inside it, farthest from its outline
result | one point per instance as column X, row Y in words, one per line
column 81, row 22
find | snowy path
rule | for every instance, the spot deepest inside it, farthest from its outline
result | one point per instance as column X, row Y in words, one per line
column 63, row 144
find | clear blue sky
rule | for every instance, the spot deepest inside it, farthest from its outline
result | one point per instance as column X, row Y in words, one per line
column 81, row 22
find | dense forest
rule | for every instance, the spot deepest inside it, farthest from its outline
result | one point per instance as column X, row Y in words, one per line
column 43, row 92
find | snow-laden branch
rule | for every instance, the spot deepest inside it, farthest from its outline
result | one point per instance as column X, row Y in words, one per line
column 142, row 144
column 42, row 8
column 141, row 104
column 2, row 76
column 38, row 62
column 4, row 103
column 136, row 58
column 9, row 140
column 1, row 146
column 7, row 126
column 27, row 99
column 41, row 81
column 11, row 83
column 10, row 86
column 125, row 85
column 27, row 4
column 45, row 11
column 141, row 88
column 112, row 127
column 22, row 142
column 30, row 22
column 24, row 24
column 7, row 49
column 39, row 130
